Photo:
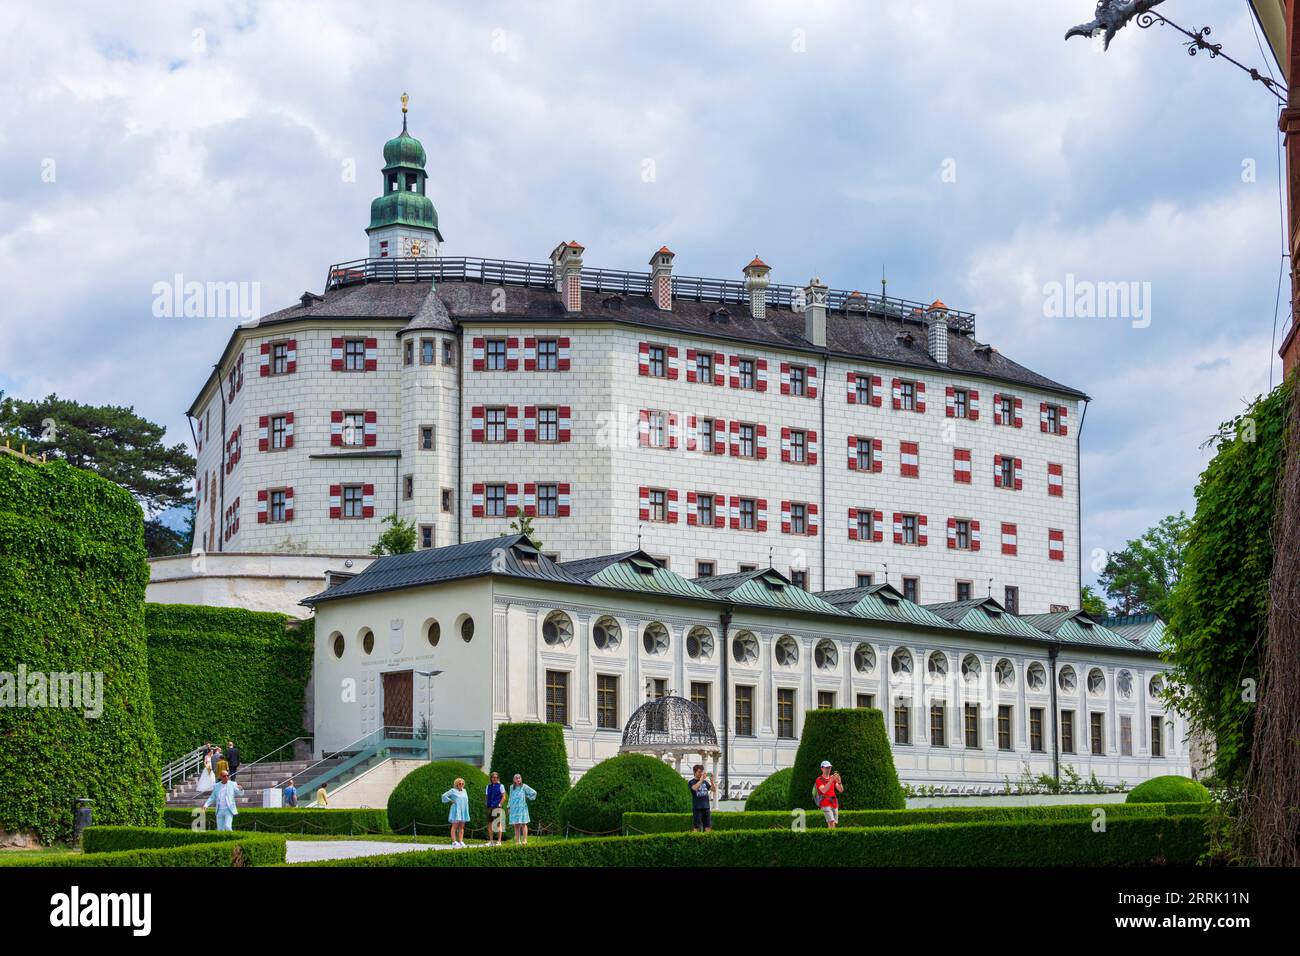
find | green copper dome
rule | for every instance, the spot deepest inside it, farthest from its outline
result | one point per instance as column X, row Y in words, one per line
column 404, row 150
column 404, row 202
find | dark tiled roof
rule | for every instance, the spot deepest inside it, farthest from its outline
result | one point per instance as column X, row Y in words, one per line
column 724, row 584
column 510, row 555
column 587, row 568
column 859, row 335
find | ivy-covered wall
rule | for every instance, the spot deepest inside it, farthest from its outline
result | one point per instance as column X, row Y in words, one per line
column 219, row 674
column 72, row 580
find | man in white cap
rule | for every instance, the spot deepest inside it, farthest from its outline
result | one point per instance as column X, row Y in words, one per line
column 828, row 788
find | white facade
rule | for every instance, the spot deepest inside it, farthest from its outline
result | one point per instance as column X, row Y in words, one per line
column 506, row 672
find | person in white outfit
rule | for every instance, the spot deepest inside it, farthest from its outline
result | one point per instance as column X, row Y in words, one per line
column 206, row 776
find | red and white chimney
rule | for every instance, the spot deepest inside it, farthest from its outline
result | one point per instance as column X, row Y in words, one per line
column 661, row 279
column 936, row 331
column 757, row 278
column 566, row 262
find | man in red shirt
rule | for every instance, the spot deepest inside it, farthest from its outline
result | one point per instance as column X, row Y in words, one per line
column 828, row 788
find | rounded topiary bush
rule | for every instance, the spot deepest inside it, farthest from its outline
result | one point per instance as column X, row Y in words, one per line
column 1171, row 789
column 536, row 752
column 773, row 793
column 415, row 805
column 855, row 743
column 623, row 784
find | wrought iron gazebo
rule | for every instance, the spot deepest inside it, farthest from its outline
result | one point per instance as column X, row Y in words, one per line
column 671, row 728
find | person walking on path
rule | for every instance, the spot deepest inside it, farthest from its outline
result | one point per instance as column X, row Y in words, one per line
column 223, row 798
column 458, row 816
column 828, row 789
column 496, row 793
column 520, row 794
column 701, row 800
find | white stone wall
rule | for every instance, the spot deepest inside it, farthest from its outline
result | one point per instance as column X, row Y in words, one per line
column 606, row 467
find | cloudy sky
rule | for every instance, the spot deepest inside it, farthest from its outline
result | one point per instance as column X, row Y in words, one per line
column 962, row 146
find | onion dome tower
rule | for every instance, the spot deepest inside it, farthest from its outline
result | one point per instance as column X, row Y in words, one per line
column 403, row 222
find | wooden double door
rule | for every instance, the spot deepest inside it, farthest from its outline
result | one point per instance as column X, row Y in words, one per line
column 399, row 700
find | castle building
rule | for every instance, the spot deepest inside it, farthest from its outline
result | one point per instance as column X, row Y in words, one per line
column 719, row 425
column 466, row 637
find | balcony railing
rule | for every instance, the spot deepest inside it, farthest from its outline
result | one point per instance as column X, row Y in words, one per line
column 540, row 275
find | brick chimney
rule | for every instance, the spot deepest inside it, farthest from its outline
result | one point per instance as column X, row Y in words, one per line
column 814, row 312
column 661, row 279
column 757, row 278
column 936, row 331
column 566, row 261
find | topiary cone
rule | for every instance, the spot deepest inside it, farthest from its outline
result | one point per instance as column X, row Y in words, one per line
column 855, row 743
column 537, row 753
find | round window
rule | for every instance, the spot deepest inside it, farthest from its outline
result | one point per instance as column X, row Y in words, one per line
column 970, row 668
column 937, row 665
column 434, row 633
column 787, row 651
column 1036, row 677
column 826, row 655
column 655, row 639
column 1005, row 672
column 1067, row 679
column 338, row 645
column 699, row 643
column 557, row 629
column 368, row 642
column 744, row 648
column 467, row 630
column 864, row 658
column 901, row 661
column 1096, row 682
column 606, row 634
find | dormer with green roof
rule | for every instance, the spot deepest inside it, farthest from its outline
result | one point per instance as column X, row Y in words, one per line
column 403, row 222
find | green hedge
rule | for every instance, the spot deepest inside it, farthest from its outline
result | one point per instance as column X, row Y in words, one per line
column 536, row 752
column 114, row 839
column 619, row 785
column 415, row 805
column 855, row 742
column 340, row 822
column 1169, row 789
column 642, row 823
column 772, row 794
column 1128, row 842
column 247, row 849
column 72, row 580
column 218, row 674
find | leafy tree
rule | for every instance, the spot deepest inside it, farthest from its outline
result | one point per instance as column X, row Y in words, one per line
column 523, row 524
column 398, row 539
column 1218, row 614
column 115, row 443
column 1139, row 578
column 1092, row 602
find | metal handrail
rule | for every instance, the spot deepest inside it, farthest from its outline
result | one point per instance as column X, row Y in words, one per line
column 183, row 767
column 542, row 275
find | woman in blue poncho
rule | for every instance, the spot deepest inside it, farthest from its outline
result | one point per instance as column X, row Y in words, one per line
column 458, row 816
column 520, row 794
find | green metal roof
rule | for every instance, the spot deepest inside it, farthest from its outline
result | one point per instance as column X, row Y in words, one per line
column 404, row 150
column 985, row 616
column 1145, row 630
column 635, row 571
column 881, row 602
column 768, row 589
column 1077, row 627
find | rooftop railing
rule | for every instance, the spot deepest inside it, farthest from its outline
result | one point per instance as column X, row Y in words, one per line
column 617, row 281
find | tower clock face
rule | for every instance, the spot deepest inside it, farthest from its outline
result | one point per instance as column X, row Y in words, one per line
column 413, row 247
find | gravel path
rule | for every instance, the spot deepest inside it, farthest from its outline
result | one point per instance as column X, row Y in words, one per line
column 303, row 851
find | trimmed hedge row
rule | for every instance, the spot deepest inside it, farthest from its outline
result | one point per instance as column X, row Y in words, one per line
column 218, row 674
column 340, row 822
column 1127, row 842
column 72, row 581
column 115, row 839
column 645, row 823
column 249, row 849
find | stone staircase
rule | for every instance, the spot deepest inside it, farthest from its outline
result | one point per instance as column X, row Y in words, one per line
column 255, row 778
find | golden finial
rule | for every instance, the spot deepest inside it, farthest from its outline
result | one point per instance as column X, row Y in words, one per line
column 405, row 99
